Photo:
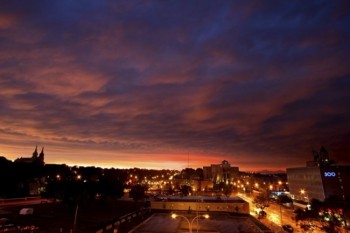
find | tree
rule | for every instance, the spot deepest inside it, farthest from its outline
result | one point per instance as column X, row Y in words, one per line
column 283, row 199
column 137, row 192
column 170, row 191
column 261, row 201
column 299, row 215
column 185, row 190
column 331, row 213
column 228, row 189
column 108, row 187
column 199, row 172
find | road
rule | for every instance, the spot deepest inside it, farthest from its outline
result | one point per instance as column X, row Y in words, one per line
column 277, row 215
column 23, row 201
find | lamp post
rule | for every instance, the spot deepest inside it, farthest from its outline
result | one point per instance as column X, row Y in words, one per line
column 305, row 196
column 190, row 223
column 279, row 185
column 302, row 192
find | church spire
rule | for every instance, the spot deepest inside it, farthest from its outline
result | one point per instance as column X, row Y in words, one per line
column 41, row 155
column 35, row 153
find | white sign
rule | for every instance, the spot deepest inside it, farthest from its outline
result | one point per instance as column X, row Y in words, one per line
column 329, row 174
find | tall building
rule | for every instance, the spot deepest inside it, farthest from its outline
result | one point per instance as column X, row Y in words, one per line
column 220, row 172
column 320, row 179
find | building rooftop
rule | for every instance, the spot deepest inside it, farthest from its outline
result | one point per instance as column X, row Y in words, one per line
column 203, row 199
column 223, row 223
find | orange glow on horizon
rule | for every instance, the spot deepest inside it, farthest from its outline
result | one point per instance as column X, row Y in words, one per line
column 111, row 159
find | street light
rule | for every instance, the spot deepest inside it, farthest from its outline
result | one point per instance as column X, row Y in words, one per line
column 190, row 223
column 305, row 196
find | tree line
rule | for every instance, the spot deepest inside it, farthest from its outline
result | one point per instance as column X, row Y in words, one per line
column 69, row 184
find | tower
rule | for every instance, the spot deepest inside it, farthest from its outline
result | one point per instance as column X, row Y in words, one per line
column 41, row 155
column 35, row 153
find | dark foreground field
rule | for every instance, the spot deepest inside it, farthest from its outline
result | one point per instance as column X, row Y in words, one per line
column 59, row 217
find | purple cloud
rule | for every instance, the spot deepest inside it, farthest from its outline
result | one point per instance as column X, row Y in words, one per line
column 256, row 83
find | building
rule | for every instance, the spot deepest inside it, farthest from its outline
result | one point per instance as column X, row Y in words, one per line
column 195, row 184
column 181, row 221
column 320, row 179
column 35, row 159
column 219, row 173
column 202, row 204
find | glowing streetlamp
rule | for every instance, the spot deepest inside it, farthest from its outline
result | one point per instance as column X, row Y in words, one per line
column 279, row 185
column 304, row 197
column 190, row 223
column 304, row 194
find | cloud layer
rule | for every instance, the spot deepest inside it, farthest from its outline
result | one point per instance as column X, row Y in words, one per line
column 148, row 83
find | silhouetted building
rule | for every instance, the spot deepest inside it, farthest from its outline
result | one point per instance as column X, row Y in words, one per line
column 220, row 172
column 36, row 158
column 202, row 204
column 320, row 179
column 194, row 179
column 195, row 184
column 321, row 158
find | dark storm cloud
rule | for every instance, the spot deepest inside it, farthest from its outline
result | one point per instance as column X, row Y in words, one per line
column 245, row 81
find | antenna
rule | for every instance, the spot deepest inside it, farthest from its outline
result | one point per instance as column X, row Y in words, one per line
column 188, row 160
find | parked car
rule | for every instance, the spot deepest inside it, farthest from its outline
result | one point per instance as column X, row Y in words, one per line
column 288, row 228
column 26, row 211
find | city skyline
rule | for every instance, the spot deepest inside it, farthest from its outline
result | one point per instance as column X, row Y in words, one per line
column 166, row 85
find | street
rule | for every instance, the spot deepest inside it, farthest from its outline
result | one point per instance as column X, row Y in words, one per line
column 23, row 201
column 277, row 215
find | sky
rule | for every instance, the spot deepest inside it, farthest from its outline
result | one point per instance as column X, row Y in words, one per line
column 175, row 84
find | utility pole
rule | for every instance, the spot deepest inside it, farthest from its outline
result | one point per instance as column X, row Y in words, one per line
column 75, row 219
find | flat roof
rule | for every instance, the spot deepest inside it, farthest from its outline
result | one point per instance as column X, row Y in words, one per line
column 203, row 199
column 223, row 223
